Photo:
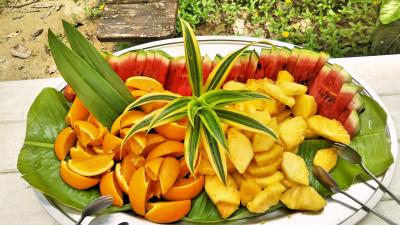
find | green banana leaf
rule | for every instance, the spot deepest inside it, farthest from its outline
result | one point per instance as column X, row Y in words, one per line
column 37, row 161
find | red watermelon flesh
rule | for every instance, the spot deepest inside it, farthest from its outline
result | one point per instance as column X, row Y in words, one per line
column 163, row 67
column 325, row 100
column 284, row 55
column 113, row 62
column 346, row 94
column 309, row 63
column 323, row 59
column 184, row 86
column 139, row 62
column 177, row 67
column 126, row 64
column 156, row 63
column 234, row 73
column 148, row 66
column 333, row 79
column 244, row 62
column 356, row 103
column 318, row 82
column 264, row 59
column 207, row 66
column 259, row 72
column 273, row 64
column 252, row 66
column 291, row 64
column 344, row 115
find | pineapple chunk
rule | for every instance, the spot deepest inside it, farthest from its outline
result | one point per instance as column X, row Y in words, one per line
column 226, row 209
column 248, row 134
column 277, row 93
column 303, row 198
column 219, row 192
column 266, row 199
column 234, row 85
column 248, row 189
column 205, row 167
column 287, row 183
column 238, row 178
column 329, row 129
column 294, row 167
column 225, row 127
column 253, row 105
column 267, row 180
column 310, row 134
column 266, row 158
column 260, row 171
column 239, row 106
column 271, row 105
column 305, row 106
column 284, row 76
column 283, row 115
column 261, row 116
column 292, row 88
column 263, row 142
column 292, row 131
column 325, row 158
column 240, row 150
column 252, row 85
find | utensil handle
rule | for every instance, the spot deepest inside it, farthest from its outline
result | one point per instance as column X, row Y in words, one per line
column 80, row 220
column 380, row 184
column 384, row 218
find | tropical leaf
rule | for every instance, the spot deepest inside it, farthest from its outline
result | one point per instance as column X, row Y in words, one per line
column 151, row 97
column 242, row 121
column 192, row 143
column 193, row 107
column 96, row 93
column 194, row 64
column 226, row 97
column 218, row 75
column 175, row 106
column 390, row 11
column 386, row 39
column 89, row 53
column 216, row 154
column 212, row 123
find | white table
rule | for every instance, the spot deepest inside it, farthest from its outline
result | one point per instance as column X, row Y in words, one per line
column 20, row 206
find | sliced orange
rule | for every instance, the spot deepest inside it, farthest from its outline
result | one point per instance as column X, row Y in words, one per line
column 184, row 170
column 122, row 182
column 99, row 140
column 138, row 93
column 116, row 125
column 87, row 133
column 97, row 149
column 167, row 212
column 128, row 168
column 153, row 168
column 185, row 189
column 80, row 152
column 75, row 180
column 144, row 83
column 131, row 117
column 109, row 186
column 64, row 141
column 91, row 119
column 168, row 173
column 137, row 160
column 174, row 148
column 111, row 142
column 77, row 112
column 138, row 191
column 150, row 107
column 137, row 143
column 173, row 131
column 152, row 141
column 93, row 166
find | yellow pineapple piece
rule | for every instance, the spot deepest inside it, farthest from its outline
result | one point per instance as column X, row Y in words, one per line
column 267, row 157
column 291, row 132
column 271, row 106
column 238, row 178
column 225, row 127
column 287, row 183
column 205, row 167
column 239, row 106
column 326, row 158
column 248, row 189
column 309, row 134
column 252, row 85
column 277, row 93
column 305, row 106
column 303, row 198
column 226, row 209
column 240, row 149
column 293, row 150
column 254, row 105
column 293, row 88
column 329, row 129
column 248, row 134
column 283, row 115
column 295, row 169
column 263, row 142
column 284, row 76
column 267, row 180
column 266, row 199
column 233, row 86
column 260, row 171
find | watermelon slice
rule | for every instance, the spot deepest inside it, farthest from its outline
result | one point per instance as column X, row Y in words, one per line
column 334, row 80
column 284, row 54
column 323, row 59
column 252, row 66
column 161, row 66
column 217, row 58
column 318, row 82
column 113, row 62
column 244, row 62
column 175, row 70
column 234, row 73
column 273, row 64
column 264, row 59
column 356, row 103
column 207, row 66
column 139, row 62
column 291, row 64
column 305, row 65
column 346, row 94
column 148, row 66
column 352, row 123
column 184, row 85
column 126, row 64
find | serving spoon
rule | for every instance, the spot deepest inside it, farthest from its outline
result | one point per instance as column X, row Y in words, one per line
column 95, row 206
column 328, row 182
column 350, row 154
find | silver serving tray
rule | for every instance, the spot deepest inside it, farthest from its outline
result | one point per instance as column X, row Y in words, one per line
column 339, row 209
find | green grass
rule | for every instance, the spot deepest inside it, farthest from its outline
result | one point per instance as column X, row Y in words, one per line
column 339, row 27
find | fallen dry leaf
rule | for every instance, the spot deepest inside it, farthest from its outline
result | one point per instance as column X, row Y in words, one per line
column 20, row 51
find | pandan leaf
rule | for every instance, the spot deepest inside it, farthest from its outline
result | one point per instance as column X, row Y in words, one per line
column 151, row 97
column 216, row 154
column 89, row 53
column 221, row 71
column 194, row 63
column 175, row 106
column 240, row 120
column 193, row 107
column 192, row 143
column 103, row 100
column 226, row 97
column 213, row 125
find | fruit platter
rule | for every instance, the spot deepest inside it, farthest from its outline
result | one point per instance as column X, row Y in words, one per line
column 203, row 130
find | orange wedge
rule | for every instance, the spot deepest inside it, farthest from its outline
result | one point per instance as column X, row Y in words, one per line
column 174, row 148
column 131, row 117
column 153, row 168
column 75, row 180
column 77, row 112
column 97, row 149
column 173, row 131
column 184, row 170
column 152, row 141
column 168, row 173
column 122, row 182
column 167, row 212
column 109, row 186
column 138, row 191
column 185, row 189
column 111, row 142
column 136, row 160
column 155, row 190
column 99, row 140
column 87, row 133
column 80, row 152
column 64, row 141
column 150, row 107
column 138, row 93
column 144, row 83
column 116, row 125
column 93, row 166
column 137, row 143
column 91, row 119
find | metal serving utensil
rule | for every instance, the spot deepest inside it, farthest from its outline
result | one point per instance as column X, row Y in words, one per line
column 328, row 182
column 350, row 154
column 95, row 206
